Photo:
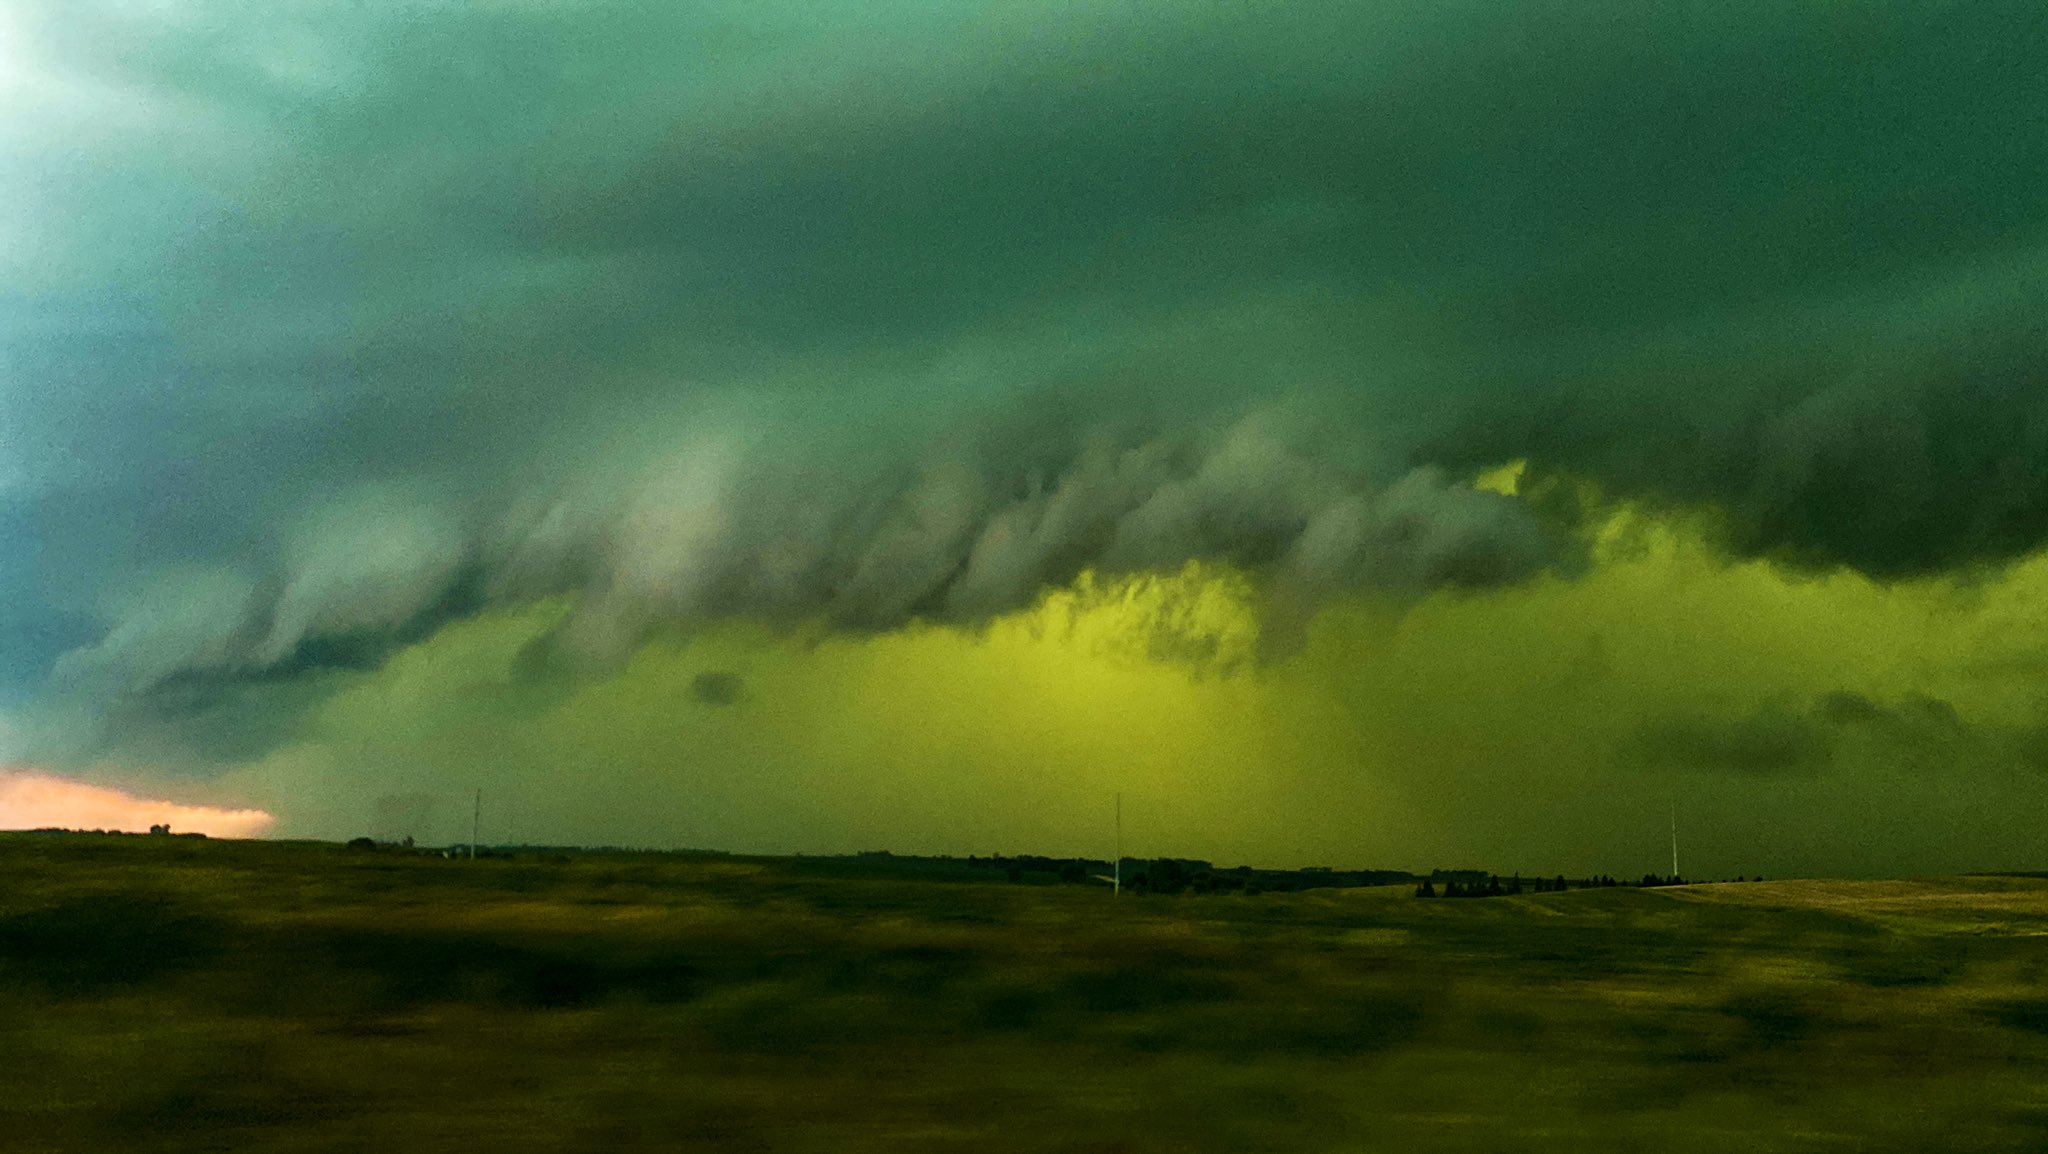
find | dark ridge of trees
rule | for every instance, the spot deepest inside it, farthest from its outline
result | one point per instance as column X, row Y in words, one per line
column 1476, row 884
column 1139, row 875
column 1165, row 875
column 154, row 831
column 1169, row 875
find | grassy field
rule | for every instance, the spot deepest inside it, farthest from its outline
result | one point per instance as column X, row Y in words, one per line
column 198, row 995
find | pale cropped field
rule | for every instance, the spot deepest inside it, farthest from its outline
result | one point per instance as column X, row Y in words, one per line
column 180, row 995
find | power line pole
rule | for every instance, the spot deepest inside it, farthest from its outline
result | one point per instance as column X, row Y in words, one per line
column 1674, row 839
column 476, row 821
column 1117, row 873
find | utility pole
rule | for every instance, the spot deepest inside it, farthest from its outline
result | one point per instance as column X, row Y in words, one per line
column 1674, row 839
column 1117, row 872
column 476, row 821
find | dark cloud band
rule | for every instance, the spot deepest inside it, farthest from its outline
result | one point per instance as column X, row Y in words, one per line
column 327, row 324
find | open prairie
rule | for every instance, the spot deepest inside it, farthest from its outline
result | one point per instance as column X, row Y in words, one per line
column 165, row 993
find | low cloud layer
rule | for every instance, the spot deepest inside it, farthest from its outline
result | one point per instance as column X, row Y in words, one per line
column 1776, row 739
column 731, row 526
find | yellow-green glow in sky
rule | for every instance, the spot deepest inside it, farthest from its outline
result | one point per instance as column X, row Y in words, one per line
column 1797, row 723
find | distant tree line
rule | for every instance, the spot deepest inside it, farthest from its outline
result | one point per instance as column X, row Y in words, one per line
column 154, row 831
column 1475, row 884
column 1138, row 875
column 1172, row 875
column 1069, row 870
column 553, row 855
column 1458, row 886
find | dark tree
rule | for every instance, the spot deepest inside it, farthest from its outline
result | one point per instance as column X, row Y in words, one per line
column 1166, row 876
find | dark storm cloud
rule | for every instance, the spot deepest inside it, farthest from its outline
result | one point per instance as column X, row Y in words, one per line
column 322, row 324
column 1776, row 739
column 1896, row 462
column 1768, row 742
column 717, row 687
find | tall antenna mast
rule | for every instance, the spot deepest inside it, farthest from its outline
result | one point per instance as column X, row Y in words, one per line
column 476, row 820
column 1674, row 838
column 1117, row 873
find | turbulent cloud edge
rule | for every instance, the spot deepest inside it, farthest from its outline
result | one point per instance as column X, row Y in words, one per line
column 732, row 524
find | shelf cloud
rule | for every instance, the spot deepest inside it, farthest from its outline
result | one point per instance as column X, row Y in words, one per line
column 326, row 330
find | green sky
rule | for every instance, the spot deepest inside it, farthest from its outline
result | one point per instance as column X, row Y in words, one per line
column 1390, row 433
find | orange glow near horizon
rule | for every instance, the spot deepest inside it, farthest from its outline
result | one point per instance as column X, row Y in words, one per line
column 30, row 800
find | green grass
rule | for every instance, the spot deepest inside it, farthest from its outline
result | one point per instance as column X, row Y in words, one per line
column 186, row 995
